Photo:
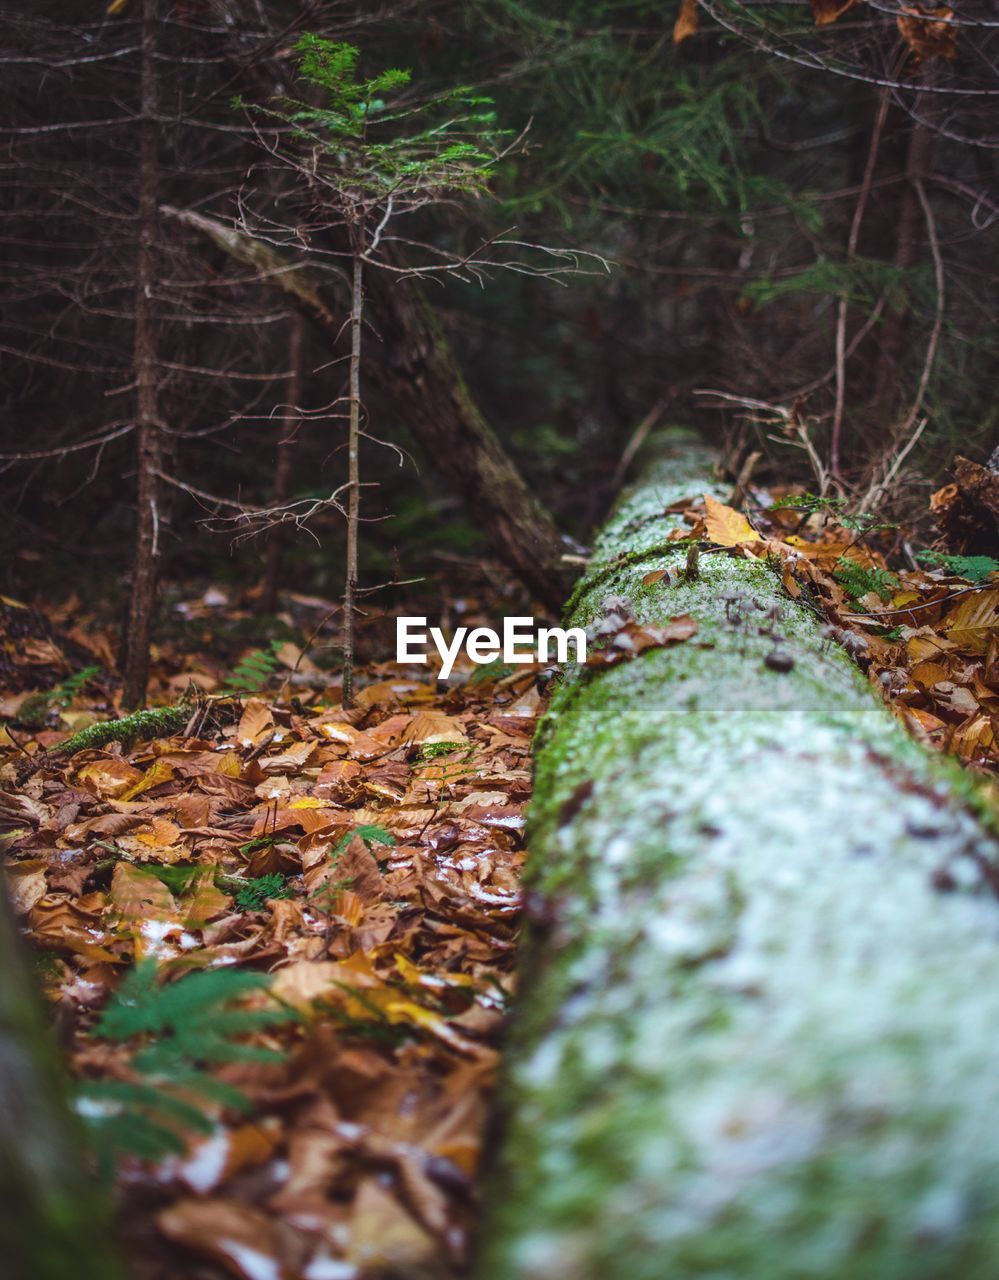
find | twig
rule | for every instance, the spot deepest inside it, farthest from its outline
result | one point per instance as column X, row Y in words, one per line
column 914, row 608
column 639, row 435
column 878, row 488
column 744, row 477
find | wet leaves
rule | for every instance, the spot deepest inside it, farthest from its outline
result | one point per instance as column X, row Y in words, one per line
column 391, row 837
column 633, row 638
column 928, row 638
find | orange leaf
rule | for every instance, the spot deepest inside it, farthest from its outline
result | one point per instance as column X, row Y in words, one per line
column 826, row 11
column 256, row 721
column 686, row 22
column 139, row 894
column 109, row 778
column 202, row 900
column 927, row 38
column 725, row 526
column 434, row 726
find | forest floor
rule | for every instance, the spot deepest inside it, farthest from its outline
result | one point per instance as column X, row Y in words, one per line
column 335, row 896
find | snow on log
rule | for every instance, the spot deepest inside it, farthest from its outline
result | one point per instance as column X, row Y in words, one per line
column 759, row 1030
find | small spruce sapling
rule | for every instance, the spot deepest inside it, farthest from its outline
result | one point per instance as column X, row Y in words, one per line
column 368, row 155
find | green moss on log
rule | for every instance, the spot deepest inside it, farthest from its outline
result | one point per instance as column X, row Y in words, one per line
column 154, row 722
column 759, row 1035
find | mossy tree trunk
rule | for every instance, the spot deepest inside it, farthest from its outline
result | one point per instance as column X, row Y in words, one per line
column 51, row 1220
column 759, row 1030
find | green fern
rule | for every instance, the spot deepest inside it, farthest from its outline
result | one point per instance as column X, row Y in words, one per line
column 63, row 694
column 254, row 670
column 174, row 1031
column 369, row 833
column 495, row 670
column 34, row 710
column 857, row 581
column 257, row 892
column 974, row 568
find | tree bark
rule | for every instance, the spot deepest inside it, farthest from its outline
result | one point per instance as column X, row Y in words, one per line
column 435, row 399
column 908, row 250
column 443, row 416
column 147, row 535
column 52, row 1224
column 353, row 477
column 283, row 463
column 760, row 987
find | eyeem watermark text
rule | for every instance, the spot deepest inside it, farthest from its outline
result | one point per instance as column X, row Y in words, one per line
column 521, row 641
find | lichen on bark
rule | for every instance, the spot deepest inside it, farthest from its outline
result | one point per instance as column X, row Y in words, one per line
column 758, row 1031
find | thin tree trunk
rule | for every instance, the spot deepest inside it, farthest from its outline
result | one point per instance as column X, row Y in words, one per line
column 438, row 406
column 842, row 313
column 756, row 1035
column 147, row 536
column 353, row 479
column 52, row 1224
column 276, row 542
column 428, row 385
column 907, row 253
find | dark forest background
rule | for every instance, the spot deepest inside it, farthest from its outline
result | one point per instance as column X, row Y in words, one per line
column 797, row 205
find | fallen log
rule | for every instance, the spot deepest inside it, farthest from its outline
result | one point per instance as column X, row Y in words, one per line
column 759, row 1029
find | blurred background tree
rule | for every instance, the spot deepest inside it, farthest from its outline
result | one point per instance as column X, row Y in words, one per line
column 799, row 203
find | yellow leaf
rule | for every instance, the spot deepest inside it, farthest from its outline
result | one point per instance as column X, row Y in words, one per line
column 230, row 765
column 116, row 7
column 726, row 527
column 306, row 802
column 159, row 839
column 415, row 1015
column 159, row 771
column 974, row 621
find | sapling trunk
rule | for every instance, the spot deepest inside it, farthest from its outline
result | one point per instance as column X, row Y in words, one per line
column 276, row 542
column 426, row 382
column 353, row 478
column 756, row 1035
column 135, row 656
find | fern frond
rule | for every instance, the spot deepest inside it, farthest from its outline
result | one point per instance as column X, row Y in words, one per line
column 176, row 1029
column 254, row 669
column 973, row 568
